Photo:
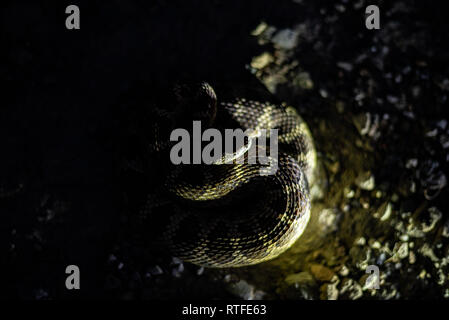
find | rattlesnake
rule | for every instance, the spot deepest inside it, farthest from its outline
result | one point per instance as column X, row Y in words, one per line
column 228, row 214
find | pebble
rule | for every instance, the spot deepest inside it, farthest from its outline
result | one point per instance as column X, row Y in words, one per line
column 300, row 279
column 349, row 193
column 435, row 216
column 445, row 232
column 403, row 251
column 156, row 270
column 299, row 286
column 328, row 220
column 304, row 81
column 200, row 271
column 344, row 271
column 442, row 124
column 381, row 259
column 351, row 289
column 329, row 291
column 323, row 93
column 376, row 245
column 245, row 291
column 360, row 241
column 259, row 29
column 365, row 182
column 321, row 272
column 178, row 270
column 411, row 257
column 392, row 99
column 345, row 66
column 384, row 212
column 411, row 163
column 286, row 39
column 428, row 252
column 262, row 60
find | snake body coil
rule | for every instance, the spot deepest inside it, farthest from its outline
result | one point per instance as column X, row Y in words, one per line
column 230, row 215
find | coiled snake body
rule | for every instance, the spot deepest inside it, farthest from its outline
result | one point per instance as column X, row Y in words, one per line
column 231, row 214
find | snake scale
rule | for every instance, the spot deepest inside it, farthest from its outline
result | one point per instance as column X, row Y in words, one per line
column 230, row 214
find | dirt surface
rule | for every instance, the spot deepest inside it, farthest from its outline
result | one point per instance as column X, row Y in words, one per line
column 374, row 100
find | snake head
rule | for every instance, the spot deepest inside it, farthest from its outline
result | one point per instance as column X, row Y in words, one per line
column 195, row 102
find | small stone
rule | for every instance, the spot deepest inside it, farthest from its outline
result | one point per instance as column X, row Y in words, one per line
column 303, row 80
column 381, row 259
column 299, row 286
column 360, row 96
column 365, row 181
column 351, row 289
column 376, row 245
column 444, row 140
column 176, row 261
column 445, row 232
column 324, row 93
column 286, row 39
column 403, row 251
column 411, row 163
column 362, row 122
column 200, row 271
column 300, row 279
column 422, row 274
column 178, row 270
column 243, row 290
column 411, row 257
column 345, row 66
column 340, row 8
column 156, row 270
column 442, row 124
column 435, row 216
column 349, row 193
column 392, row 99
column 344, row 271
column 428, row 252
column 328, row 220
column 384, row 212
column 262, row 61
column 321, row 272
column 360, row 241
column 259, row 29
column 329, row 291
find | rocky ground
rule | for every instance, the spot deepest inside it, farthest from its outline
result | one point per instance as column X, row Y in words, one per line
column 374, row 100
